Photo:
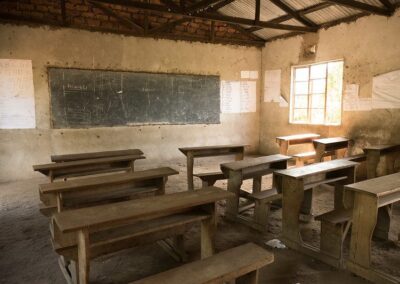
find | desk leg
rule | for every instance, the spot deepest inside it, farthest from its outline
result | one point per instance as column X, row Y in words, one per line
column 381, row 231
column 83, row 256
column 283, row 147
column 189, row 165
column 373, row 158
column 365, row 214
column 132, row 165
column 306, row 206
column 249, row 278
column 208, row 228
column 239, row 156
column 232, row 204
column 59, row 202
column 390, row 162
column 293, row 194
column 319, row 153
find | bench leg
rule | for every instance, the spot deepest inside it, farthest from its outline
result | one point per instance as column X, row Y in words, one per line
column 208, row 227
column 232, row 204
column 373, row 158
column 381, row 231
column 306, row 206
column 189, row 165
column 261, row 212
column 249, row 278
column 299, row 163
column 332, row 239
column 83, row 256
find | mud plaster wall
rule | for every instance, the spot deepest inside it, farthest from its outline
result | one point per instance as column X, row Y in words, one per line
column 20, row 149
column 369, row 46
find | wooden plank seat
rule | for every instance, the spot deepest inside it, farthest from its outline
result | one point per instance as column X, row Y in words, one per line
column 156, row 218
column 241, row 263
column 94, row 155
column 335, row 225
column 301, row 158
column 85, row 167
column 209, row 179
column 356, row 158
column 62, row 195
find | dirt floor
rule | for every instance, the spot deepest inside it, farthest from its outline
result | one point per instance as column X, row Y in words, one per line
column 26, row 255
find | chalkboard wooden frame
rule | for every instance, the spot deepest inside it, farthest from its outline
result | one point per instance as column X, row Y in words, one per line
column 84, row 98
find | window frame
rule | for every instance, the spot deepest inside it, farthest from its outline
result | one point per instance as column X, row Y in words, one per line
column 309, row 95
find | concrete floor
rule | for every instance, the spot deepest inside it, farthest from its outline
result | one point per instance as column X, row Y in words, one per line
column 26, row 255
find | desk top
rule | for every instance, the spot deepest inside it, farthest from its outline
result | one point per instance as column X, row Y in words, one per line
column 108, row 215
column 381, row 186
column 93, row 155
column 317, row 168
column 253, row 162
column 305, row 136
column 77, row 184
column 45, row 168
column 387, row 147
column 331, row 140
column 184, row 150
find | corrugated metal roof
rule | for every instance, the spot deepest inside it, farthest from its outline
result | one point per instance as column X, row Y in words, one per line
column 269, row 33
column 331, row 13
column 376, row 3
column 246, row 9
column 301, row 4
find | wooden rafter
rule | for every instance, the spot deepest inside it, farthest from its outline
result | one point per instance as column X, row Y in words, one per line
column 208, row 16
column 295, row 14
column 257, row 11
column 128, row 23
column 387, row 4
column 363, row 7
column 168, row 26
column 63, row 12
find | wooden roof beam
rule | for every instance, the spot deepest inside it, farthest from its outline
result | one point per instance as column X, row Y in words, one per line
column 295, row 14
column 363, row 7
column 207, row 16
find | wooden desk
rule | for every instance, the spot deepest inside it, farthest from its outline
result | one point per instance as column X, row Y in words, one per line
column 285, row 141
column 336, row 146
column 254, row 169
column 374, row 153
column 295, row 182
column 209, row 151
column 61, row 195
column 76, row 228
column 94, row 155
column 88, row 166
column 365, row 198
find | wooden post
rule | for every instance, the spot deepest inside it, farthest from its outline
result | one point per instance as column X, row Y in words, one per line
column 83, row 256
column 190, row 164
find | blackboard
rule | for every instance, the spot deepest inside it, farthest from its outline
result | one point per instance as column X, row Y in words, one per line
column 89, row 98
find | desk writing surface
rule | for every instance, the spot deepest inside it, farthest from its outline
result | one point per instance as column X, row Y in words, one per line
column 298, row 136
column 47, row 167
column 331, row 140
column 184, row 150
column 92, row 155
column 139, row 209
column 317, row 168
column 71, row 185
column 380, row 186
column 393, row 147
column 247, row 163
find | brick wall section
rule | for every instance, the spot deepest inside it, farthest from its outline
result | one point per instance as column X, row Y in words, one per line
column 82, row 14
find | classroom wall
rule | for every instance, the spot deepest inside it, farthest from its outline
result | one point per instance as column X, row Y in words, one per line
column 20, row 149
column 370, row 46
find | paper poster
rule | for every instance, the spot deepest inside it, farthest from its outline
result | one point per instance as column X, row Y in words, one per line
column 17, row 102
column 238, row 96
column 253, row 75
column 283, row 102
column 386, row 90
column 352, row 101
column 272, row 86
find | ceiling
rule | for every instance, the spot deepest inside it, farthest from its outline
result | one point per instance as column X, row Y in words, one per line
column 238, row 22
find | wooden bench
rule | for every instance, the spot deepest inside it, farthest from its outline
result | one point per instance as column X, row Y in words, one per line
column 335, row 225
column 285, row 141
column 94, row 155
column 374, row 154
column 86, row 233
column 209, row 179
column 335, row 146
column 64, row 170
column 62, row 195
column 255, row 169
column 209, row 151
column 294, row 183
column 302, row 158
column 241, row 263
column 365, row 199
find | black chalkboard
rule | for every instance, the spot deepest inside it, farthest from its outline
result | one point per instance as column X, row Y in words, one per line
column 87, row 98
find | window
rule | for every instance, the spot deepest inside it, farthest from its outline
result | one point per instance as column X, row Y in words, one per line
column 316, row 96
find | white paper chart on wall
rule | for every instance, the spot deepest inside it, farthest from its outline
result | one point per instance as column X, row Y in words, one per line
column 238, row 96
column 17, row 103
